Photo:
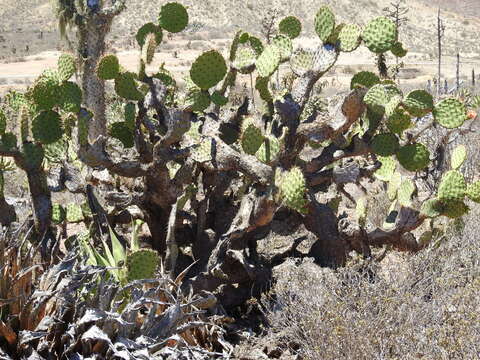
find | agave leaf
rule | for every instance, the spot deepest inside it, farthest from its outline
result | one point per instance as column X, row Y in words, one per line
column 118, row 251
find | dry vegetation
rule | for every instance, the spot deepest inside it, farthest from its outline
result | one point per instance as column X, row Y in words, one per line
column 422, row 306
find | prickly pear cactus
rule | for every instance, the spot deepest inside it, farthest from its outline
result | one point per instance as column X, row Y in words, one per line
column 142, row 264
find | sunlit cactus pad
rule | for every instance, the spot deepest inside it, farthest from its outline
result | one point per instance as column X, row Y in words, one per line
column 380, row 34
column 324, row 23
column 450, row 113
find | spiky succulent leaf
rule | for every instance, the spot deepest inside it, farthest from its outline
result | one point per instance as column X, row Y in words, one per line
column 349, row 37
column 405, row 192
column 398, row 50
column 261, row 84
column 59, row 214
column 70, row 97
column 108, row 67
column 380, row 34
column 126, row 87
column 251, row 137
column 245, row 60
column 269, row 150
column 142, row 264
column 393, row 185
column 418, row 103
column 290, row 26
column 197, row 100
column 148, row 48
column 398, row 122
column 130, row 113
column 364, row 79
column 208, row 69
column 450, row 113
column 121, row 131
column 454, row 209
column 459, row 155
column 173, row 17
column 45, row 91
column 432, row 208
column 414, row 157
column 452, row 187
column 66, row 67
column 149, row 28
column 74, row 213
column 268, row 61
column 385, row 144
column 473, row 191
column 324, row 23
column 284, row 44
column 33, row 155
column 218, row 99
column 386, row 171
column 8, row 141
column 47, row 127
column 293, row 189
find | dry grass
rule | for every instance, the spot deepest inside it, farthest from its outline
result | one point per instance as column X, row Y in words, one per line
column 424, row 306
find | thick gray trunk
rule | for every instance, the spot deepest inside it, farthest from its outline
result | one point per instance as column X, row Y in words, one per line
column 92, row 47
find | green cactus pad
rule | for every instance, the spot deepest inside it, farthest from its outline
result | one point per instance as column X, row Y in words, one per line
column 208, row 69
column 47, row 127
column 70, row 97
column 432, row 208
column 333, row 38
column 45, row 91
column 393, row 185
column 380, row 34
column 243, row 38
column 130, row 113
column 473, row 191
column 142, row 264
column 398, row 122
column 324, row 23
column 148, row 48
column 301, row 62
column 3, row 122
column 173, row 17
column 66, row 67
column 268, row 61
column 405, row 192
column 197, row 101
column 149, row 28
column 385, row 144
column 74, row 213
column 256, row 44
column 418, row 103
column 290, row 26
column 293, row 189
column 261, row 84
column 59, row 214
column 452, row 187
column 376, row 98
column 454, row 209
column 459, row 155
column 349, row 37
column 218, row 99
column 108, row 67
column 364, row 79
column 284, row 44
column 203, row 152
column 245, row 60
column 251, row 137
column 121, row 131
column 398, row 50
column 269, row 150
column 450, row 113
column 414, row 157
column 386, row 171
column 24, row 124
column 126, row 87
column 33, row 155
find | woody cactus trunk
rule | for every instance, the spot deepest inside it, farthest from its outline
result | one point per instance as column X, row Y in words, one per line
column 212, row 177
